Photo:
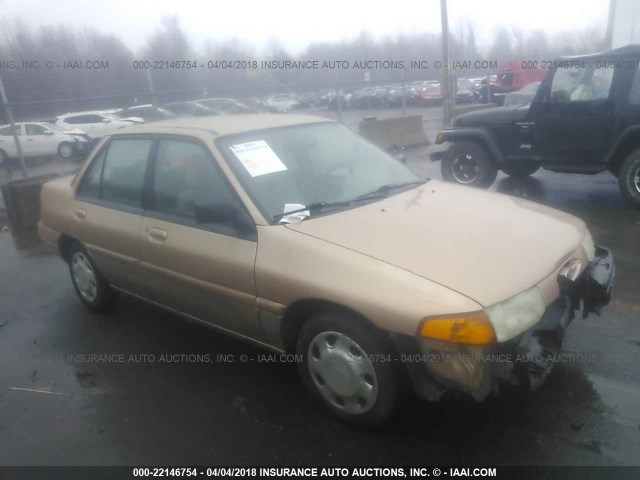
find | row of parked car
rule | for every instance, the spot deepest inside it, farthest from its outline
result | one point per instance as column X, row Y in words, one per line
column 74, row 134
column 424, row 93
column 419, row 93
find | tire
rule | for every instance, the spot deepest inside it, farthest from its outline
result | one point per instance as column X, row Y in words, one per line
column 629, row 178
column 520, row 171
column 337, row 369
column 65, row 150
column 468, row 163
column 92, row 288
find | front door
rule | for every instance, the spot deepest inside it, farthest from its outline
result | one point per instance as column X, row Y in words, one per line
column 39, row 140
column 204, row 271
column 574, row 115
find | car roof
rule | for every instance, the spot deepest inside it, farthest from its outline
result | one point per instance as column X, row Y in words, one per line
column 226, row 99
column 88, row 112
column 627, row 51
column 43, row 124
column 220, row 125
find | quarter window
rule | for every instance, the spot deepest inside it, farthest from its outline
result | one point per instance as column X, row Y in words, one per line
column 634, row 92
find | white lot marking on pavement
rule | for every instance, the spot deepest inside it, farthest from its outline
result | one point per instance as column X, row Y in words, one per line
column 37, row 391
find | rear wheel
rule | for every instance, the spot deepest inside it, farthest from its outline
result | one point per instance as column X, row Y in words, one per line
column 468, row 163
column 347, row 367
column 520, row 171
column 92, row 288
column 629, row 178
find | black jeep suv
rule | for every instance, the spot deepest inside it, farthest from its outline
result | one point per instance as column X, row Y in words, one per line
column 585, row 118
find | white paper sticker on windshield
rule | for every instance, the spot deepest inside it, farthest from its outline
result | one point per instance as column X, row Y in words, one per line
column 258, row 158
column 294, row 217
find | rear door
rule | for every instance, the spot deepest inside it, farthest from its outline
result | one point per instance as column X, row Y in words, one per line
column 107, row 211
column 8, row 143
column 204, row 271
column 575, row 115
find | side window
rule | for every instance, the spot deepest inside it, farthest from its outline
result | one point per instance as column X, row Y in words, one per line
column 581, row 84
column 74, row 120
column 93, row 119
column 8, row 131
column 634, row 91
column 90, row 185
column 124, row 169
column 185, row 176
column 34, row 129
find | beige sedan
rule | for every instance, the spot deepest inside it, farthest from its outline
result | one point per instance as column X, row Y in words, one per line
column 296, row 234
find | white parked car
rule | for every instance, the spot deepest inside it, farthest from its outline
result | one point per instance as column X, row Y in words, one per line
column 95, row 124
column 42, row 139
column 282, row 102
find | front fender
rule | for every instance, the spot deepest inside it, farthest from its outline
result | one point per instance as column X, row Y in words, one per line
column 479, row 135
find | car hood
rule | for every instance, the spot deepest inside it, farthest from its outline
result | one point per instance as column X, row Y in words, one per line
column 483, row 245
column 492, row 116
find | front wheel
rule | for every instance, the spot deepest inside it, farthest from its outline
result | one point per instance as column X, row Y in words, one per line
column 629, row 178
column 521, row 171
column 65, row 150
column 348, row 367
column 468, row 163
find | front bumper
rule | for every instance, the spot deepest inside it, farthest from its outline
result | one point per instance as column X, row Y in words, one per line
column 436, row 367
column 80, row 148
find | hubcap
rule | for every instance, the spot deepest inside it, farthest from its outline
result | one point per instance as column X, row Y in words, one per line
column 636, row 180
column 465, row 168
column 84, row 276
column 66, row 151
column 342, row 372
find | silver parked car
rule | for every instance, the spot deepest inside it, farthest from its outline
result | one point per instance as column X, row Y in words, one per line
column 39, row 139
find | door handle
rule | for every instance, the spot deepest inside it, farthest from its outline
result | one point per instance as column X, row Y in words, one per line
column 80, row 213
column 158, row 234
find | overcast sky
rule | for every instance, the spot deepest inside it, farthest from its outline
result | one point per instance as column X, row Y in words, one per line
column 296, row 23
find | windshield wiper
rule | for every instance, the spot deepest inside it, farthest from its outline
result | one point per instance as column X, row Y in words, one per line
column 317, row 206
column 314, row 207
column 383, row 190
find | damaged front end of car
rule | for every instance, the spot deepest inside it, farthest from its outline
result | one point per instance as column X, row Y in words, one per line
column 437, row 366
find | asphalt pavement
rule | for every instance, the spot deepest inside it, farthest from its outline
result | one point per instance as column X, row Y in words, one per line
column 141, row 386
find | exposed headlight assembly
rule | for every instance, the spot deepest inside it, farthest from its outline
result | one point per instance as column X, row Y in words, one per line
column 513, row 316
column 588, row 246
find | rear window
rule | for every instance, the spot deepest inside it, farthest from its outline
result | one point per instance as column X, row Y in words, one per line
column 124, row 169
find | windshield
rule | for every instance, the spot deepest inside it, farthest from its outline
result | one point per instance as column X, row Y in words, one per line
column 308, row 164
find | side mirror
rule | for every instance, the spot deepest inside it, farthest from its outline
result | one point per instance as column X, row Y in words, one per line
column 106, row 120
column 48, row 132
column 223, row 212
